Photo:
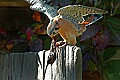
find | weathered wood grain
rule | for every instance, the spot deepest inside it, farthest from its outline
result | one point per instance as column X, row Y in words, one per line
column 18, row 66
column 67, row 66
column 32, row 66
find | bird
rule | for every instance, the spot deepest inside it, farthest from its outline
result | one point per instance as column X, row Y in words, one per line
column 67, row 21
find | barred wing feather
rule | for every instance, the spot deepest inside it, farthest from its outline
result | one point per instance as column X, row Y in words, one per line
column 77, row 12
column 42, row 6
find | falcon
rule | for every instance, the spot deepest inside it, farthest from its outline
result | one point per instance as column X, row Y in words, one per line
column 67, row 21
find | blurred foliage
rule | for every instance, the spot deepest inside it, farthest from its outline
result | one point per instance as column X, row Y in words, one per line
column 25, row 38
column 99, row 43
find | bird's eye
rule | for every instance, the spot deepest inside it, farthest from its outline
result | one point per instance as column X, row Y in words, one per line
column 54, row 33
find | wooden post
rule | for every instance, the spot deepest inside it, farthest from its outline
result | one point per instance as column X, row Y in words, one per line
column 32, row 66
column 18, row 66
column 67, row 66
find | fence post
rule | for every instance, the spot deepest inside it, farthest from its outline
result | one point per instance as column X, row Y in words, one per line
column 67, row 66
column 18, row 66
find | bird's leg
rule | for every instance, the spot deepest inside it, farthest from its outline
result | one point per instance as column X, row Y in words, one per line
column 61, row 44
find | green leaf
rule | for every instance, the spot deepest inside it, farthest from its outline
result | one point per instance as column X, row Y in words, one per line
column 47, row 44
column 117, row 55
column 19, row 32
column 35, row 24
column 91, row 65
column 115, row 21
column 106, row 1
column 33, row 38
column 114, row 26
column 85, row 2
column 23, row 36
column 112, row 69
column 109, row 52
column 96, row 2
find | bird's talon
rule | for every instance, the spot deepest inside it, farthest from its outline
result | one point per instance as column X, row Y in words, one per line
column 61, row 44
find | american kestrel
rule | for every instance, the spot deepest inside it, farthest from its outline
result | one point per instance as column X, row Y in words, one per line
column 67, row 21
column 70, row 22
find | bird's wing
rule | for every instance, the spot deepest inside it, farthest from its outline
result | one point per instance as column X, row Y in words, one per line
column 44, row 6
column 75, row 13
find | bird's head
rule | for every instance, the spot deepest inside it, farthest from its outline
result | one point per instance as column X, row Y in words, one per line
column 53, row 27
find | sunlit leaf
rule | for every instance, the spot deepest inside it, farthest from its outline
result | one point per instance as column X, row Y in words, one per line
column 36, row 16
column 9, row 46
column 38, row 26
column 39, row 29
